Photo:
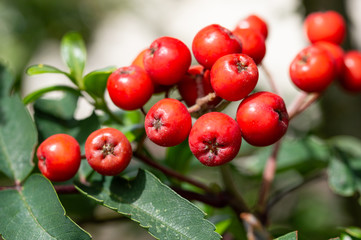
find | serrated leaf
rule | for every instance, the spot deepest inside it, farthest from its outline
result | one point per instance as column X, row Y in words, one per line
column 43, row 68
column 300, row 154
column 34, row 212
column 73, row 52
column 154, row 205
column 96, row 82
column 38, row 93
column 289, row 236
column 18, row 135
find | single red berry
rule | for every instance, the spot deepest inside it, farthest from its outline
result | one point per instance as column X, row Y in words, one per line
column 336, row 52
column 263, row 118
column 213, row 42
column 327, row 26
column 215, row 139
column 196, row 84
column 168, row 122
column 351, row 76
column 254, row 22
column 59, row 157
column 167, row 60
column 253, row 43
column 313, row 69
column 139, row 61
column 234, row 76
column 129, row 87
column 108, row 151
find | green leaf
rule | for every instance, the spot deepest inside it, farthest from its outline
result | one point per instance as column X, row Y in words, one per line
column 154, row 205
column 179, row 157
column 38, row 93
column 354, row 232
column 96, row 82
column 73, row 52
column 289, row 236
column 18, row 136
column 43, row 68
column 303, row 155
column 34, row 212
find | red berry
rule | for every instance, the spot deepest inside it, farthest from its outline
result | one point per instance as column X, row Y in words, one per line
column 313, row 69
column 108, row 151
column 129, row 87
column 213, row 42
column 59, row 157
column 168, row 122
column 336, row 52
column 167, row 60
column 234, row 76
column 253, row 43
column 196, row 84
column 351, row 76
column 254, row 22
column 263, row 118
column 138, row 60
column 215, row 139
column 325, row 26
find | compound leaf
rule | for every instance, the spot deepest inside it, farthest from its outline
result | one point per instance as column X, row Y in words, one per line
column 154, row 205
column 18, row 136
column 34, row 212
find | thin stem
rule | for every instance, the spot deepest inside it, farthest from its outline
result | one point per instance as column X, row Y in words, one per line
column 169, row 172
column 312, row 98
column 103, row 106
column 143, row 111
column 201, row 102
column 232, row 188
column 270, row 79
column 267, row 179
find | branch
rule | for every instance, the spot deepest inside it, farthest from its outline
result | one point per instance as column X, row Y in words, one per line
column 270, row 79
column 267, row 179
column 170, row 172
column 201, row 102
column 302, row 103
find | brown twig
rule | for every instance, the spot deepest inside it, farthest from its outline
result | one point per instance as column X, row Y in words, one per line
column 302, row 103
column 267, row 179
column 170, row 172
column 201, row 102
column 270, row 79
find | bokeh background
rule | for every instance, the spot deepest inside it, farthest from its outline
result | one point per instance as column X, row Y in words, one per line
column 115, row 31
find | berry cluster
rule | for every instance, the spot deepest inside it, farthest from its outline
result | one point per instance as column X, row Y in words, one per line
column 226, row 71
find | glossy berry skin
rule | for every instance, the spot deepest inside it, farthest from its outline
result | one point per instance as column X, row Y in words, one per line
column 234, row 76
column 351, row 76
column 129, row 87
column 167, row 60
column 263, row 118
column 168, row 122
column 254, row 22
column 213, row 42
column 327, row 26
column 59, row 157
column 313, row 69
column 196, row 84
column 108, row 151
column 336, row 52
column 215, row 139
column 253, row 43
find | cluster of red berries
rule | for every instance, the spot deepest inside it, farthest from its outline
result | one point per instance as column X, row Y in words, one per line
column 226, row 71
column 323, row 61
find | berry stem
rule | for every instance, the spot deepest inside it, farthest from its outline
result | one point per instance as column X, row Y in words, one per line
column 302, row 103
column 270, row 79
column 201, row 102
